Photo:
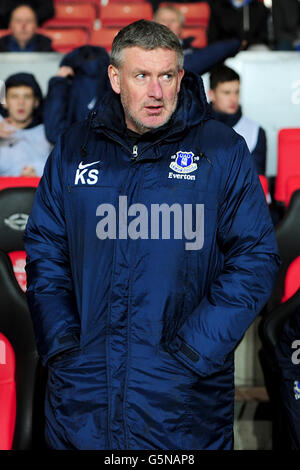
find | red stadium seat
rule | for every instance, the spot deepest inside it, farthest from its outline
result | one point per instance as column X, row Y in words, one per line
column 126, row 1
column 195, row 14
column 14, row 211
column 118, row 16
column 199, row 34
column 4, row 32
column 72, row 14
column 265, row 186
column 292, row 184
column 18, row 259
column 103, row 37
column 288, row 161
column 17, row 181
column 7, row 394
column 292, row 280
column 16, row 199
column 65, row 40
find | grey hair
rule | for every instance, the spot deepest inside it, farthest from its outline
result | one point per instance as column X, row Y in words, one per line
column 172, row 8
column 147, row 35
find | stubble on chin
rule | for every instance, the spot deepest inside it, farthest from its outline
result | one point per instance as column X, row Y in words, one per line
column 140, row 127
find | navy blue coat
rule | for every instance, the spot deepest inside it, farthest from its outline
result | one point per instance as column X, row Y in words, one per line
column 150, row 327
column 70, row 99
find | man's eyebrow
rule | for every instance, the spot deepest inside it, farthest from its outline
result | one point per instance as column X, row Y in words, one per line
column 145, row 72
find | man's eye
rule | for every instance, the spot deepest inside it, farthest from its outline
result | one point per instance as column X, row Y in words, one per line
column 167, row 76
column 140, row 76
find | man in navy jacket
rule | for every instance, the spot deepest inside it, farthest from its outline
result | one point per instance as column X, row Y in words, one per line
column 150, row 252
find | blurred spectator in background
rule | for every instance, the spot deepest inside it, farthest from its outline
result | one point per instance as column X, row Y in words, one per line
column 246, row 20
column 197, row 60
column 24, row 38
column 23, row 144
column 286, row 22
column 80, row 81
column 44, row 10
column 224, row 95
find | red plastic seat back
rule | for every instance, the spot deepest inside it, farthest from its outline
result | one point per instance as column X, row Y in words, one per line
column 73, row 14
column 4, row 32
column 265, row 185
column 288, row 160
column 292, row 279
column 104, row 37
column 65, row 40
column 7, row 394
column 18, row 259
column 18, row 182
column 119, row 15
column 199, row 35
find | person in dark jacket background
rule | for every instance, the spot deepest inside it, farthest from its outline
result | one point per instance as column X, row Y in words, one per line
column 246, row 20
column 44, row 10
column 136, row 319
column 224, row 94
column 287, row 361
column 286, row 21
column 24, row 37
column 80, row 81
column 197, row 60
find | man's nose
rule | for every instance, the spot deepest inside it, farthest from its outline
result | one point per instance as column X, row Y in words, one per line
column 154, row 89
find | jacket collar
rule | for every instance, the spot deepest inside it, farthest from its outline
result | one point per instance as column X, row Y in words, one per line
column 226, row 118
column 191, row 110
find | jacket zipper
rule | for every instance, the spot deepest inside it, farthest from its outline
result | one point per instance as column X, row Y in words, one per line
column 134, row 152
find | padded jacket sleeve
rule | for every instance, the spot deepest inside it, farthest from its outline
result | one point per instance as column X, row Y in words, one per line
column 49, row 281
column 202, row 60
column 56, row 107
column 246, row 239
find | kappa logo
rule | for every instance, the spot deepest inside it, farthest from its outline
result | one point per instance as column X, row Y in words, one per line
column 183, row 165
column 83, row 172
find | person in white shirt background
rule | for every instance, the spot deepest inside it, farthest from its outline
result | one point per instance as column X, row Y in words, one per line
column 23, row 145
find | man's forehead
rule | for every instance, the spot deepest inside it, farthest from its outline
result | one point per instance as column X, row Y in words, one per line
column 20, row 89
column 23, row 12
column 136, row 57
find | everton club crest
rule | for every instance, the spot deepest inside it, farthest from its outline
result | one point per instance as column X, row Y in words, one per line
column 184, row 163
column 297, row 389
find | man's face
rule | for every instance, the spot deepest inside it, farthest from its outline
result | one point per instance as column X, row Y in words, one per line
column 225, row 97
column 20, row 104
column 170, row 19
column 23, row 24
column 148, row 82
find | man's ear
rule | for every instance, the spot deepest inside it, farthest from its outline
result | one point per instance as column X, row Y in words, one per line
column 4, row 104
column 180, row 76
column 114, row 77
column 36, row 103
